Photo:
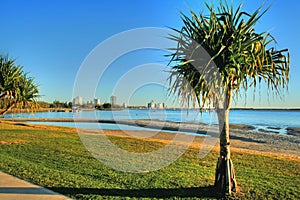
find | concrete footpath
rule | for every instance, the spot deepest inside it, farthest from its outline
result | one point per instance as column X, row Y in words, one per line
column 12, row 188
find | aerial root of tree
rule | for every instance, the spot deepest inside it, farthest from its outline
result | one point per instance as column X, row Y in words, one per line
column 225, row 181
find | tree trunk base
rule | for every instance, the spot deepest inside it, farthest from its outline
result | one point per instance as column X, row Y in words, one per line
column 225, row 181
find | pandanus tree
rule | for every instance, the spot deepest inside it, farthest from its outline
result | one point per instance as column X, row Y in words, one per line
column 17, row 90
column 218, row 56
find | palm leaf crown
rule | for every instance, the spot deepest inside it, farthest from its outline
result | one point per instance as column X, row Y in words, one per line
column 16, row 88
column 238, row 57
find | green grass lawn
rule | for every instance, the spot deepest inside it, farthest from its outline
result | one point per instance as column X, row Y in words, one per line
column 56, row 159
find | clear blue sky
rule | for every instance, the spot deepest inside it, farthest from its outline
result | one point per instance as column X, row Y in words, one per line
column 52, row 38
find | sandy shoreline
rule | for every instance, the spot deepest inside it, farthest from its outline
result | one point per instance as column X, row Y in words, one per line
column 195, row 127
column 265, row 142
column 241, row 141
column 243, row 138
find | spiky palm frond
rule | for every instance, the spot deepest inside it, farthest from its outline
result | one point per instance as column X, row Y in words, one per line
column 16, row 88
column 27, row 94
column 10, row 75
column 220, row 53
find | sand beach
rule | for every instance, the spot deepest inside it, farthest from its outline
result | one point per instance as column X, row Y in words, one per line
column 243, row 137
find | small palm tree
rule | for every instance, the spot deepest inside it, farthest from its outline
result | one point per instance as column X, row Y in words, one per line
column 239, row 58
column 27, row 92
column 9, row 76
column 17, row 90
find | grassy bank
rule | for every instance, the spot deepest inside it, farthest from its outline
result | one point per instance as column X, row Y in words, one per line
column 56, row 158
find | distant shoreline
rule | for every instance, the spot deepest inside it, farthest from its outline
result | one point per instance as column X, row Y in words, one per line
column 168, row 109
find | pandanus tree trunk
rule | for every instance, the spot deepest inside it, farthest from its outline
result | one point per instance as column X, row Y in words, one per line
column 5, row 111
column 225, row 181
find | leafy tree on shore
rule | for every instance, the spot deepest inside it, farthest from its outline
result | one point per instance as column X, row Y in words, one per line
column 17, row 90
column 43, row 104
column 106, row 105
column 58, row 104
column 239, row 58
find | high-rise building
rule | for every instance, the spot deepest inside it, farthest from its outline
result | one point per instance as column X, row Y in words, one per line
column 151, row 105
column 97, row 102
column 160, row 105
column 113, row 100
column 77, row 101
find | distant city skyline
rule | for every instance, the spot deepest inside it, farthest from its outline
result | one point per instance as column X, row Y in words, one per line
column 79, row 101
column 51, row 39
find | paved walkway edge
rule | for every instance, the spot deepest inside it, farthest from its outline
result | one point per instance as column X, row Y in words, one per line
column 14, row 188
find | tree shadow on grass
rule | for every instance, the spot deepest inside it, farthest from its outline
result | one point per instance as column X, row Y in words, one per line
column 198, row 192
